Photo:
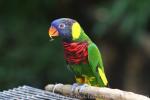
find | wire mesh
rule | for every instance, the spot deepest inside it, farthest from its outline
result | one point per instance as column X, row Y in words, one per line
column 31, row 93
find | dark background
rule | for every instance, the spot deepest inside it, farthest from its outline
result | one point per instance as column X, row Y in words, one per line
column 120, row 28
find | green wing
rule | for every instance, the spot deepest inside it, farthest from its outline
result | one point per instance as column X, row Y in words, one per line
column 96, row 64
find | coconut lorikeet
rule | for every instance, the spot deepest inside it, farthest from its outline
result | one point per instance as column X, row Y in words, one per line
column 81, row 54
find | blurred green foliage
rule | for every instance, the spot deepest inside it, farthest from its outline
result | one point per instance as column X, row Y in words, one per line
column 129, row 18
column 121, row 29
column 26, row 55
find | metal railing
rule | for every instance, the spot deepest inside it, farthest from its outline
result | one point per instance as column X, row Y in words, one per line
column 30, row 93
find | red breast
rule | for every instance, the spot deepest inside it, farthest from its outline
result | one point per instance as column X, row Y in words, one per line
column 76, row 52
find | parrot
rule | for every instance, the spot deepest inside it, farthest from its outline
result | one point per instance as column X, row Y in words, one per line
column 82, row 56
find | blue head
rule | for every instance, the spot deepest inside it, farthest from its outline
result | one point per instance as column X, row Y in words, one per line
column 66, row 28
column 62, row 27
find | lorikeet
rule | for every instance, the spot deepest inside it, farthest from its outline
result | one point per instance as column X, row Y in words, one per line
column 81, row 54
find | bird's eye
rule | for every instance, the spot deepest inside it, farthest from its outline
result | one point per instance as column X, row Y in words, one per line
column 62, row 26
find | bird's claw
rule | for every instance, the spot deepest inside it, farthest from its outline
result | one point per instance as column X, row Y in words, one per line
column 82, row 87
column 78, row 87
column 74, row 86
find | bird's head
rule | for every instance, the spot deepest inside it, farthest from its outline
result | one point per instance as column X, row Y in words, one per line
column 66, row 28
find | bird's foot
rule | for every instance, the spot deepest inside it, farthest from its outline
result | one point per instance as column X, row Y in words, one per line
column 78, row 87
column 74, row 86
column 82, row 87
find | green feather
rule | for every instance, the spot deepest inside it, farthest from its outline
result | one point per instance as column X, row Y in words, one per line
column 96, row 64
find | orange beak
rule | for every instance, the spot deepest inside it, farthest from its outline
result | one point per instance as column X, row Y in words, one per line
column 53, row 32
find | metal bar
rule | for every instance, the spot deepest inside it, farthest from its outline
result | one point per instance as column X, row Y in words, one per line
column 31, row 93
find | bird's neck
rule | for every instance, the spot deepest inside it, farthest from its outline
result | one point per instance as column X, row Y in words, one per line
column 82, row 38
